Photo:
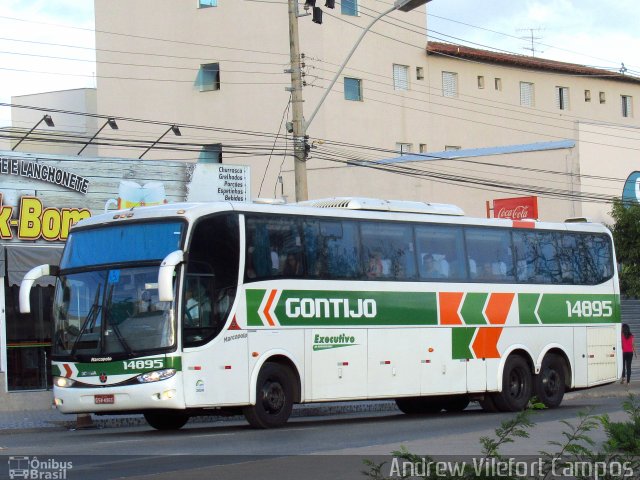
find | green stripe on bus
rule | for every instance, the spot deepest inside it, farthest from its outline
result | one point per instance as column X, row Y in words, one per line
column 461, row 342
column 472, row 308
column 254, row 299
column 527, row 306
column 563, row 309
column 120, row 367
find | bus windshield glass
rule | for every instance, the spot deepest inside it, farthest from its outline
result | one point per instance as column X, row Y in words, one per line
column 137, row 242
column 111, row 312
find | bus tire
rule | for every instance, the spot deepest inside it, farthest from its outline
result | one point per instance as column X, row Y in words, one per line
column 274, row 397
column 487, row 404
column 517, row 385
column 549, row 384
column 456, row 403
column 166, row 420
column 419, row 405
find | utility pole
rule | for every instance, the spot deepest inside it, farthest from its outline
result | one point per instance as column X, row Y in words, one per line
column 299, row 126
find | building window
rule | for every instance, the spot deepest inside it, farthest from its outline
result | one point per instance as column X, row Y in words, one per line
column 497, row 84
column 603, row 99
column 449, row 84
column 209, row 77
column 452, row 147
column 400, row 77
column 423, row 148
column 349, row 7
column 480, row 81
column 207, row 3
column 526, row 94
column 626, row 105
column 352, row 89
column 403, row 148
column 587, row 95
column 419, row 73
column 211, row 153
column 562, row 98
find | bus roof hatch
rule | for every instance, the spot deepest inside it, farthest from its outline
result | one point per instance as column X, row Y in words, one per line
column 357, row 203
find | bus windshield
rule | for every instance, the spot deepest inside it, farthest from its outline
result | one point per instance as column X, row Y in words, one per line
column 138, row 242
column 111, row 312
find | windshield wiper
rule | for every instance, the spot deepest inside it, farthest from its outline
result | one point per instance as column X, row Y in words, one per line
column 92, row 314
column 115, row 327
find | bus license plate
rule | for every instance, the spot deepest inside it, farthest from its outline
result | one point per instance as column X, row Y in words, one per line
column 104, row 399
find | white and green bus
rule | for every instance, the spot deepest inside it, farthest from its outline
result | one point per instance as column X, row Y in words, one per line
column 181, row 310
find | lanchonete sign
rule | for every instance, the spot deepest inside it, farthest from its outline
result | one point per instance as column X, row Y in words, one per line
column 519, row 208
column 45, row 173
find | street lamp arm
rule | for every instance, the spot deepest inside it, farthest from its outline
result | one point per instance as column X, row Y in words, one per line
column 346, row 60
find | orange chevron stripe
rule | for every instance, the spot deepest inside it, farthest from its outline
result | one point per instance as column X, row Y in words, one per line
column 449, row 306
column 498, row 307
column 267, row 307
column 485, row 344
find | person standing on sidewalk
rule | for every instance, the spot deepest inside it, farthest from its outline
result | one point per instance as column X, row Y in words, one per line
column 628, row 352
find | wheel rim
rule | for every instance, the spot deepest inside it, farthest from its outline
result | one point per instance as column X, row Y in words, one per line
column 516, row 383
column 273, row 397
column 550, row 382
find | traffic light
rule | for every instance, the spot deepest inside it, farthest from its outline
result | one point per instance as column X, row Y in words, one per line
column 330, row 4
column 310, row 3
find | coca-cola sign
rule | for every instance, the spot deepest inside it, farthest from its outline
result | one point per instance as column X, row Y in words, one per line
column 520, row 208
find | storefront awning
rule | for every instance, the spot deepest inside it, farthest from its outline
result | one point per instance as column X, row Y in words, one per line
column 22, row 258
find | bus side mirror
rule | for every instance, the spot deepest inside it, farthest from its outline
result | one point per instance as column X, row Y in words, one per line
column 165, row 275
column 28, row 281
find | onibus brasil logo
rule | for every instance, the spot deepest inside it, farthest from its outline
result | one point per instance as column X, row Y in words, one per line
column 40, row 469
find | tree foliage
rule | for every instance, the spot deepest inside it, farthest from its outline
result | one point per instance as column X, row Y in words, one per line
column 626, row 237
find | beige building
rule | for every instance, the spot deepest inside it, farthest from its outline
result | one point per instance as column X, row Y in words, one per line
column 189, row 63
column 66, row 131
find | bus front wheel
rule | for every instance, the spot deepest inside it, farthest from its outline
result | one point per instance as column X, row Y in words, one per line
column 419, row 405
column 166, row 420
column 549, row 384
column 274, row 397
column 517, row 385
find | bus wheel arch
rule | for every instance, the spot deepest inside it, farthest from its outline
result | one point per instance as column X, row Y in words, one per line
column 516, row 382
column 282, row 358
column 275, row 395
column 553, row 379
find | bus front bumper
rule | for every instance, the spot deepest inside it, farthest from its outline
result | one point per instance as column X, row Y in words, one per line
column 165, row 394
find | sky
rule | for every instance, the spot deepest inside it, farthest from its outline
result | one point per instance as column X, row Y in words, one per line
column 47, row 45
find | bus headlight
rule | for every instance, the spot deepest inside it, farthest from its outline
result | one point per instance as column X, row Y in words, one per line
column 63, row 382
column 156, row 376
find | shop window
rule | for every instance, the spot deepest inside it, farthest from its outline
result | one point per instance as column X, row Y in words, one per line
column 29, row 340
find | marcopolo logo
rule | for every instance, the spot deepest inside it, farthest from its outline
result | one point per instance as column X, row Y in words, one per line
column 34, row 468
column 330, row 308
column 326, row 342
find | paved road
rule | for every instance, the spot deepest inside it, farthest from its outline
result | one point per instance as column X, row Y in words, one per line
column 327, row 447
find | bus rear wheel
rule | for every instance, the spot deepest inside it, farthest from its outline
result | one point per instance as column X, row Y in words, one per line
column 517, row 385
column 166, row 420
column 274, row 397
column 549, row 384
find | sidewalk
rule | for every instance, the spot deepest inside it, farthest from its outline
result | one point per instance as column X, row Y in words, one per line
column 38, row 419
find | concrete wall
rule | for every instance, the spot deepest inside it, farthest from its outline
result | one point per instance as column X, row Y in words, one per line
column 608, row 155
column 80, row 127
